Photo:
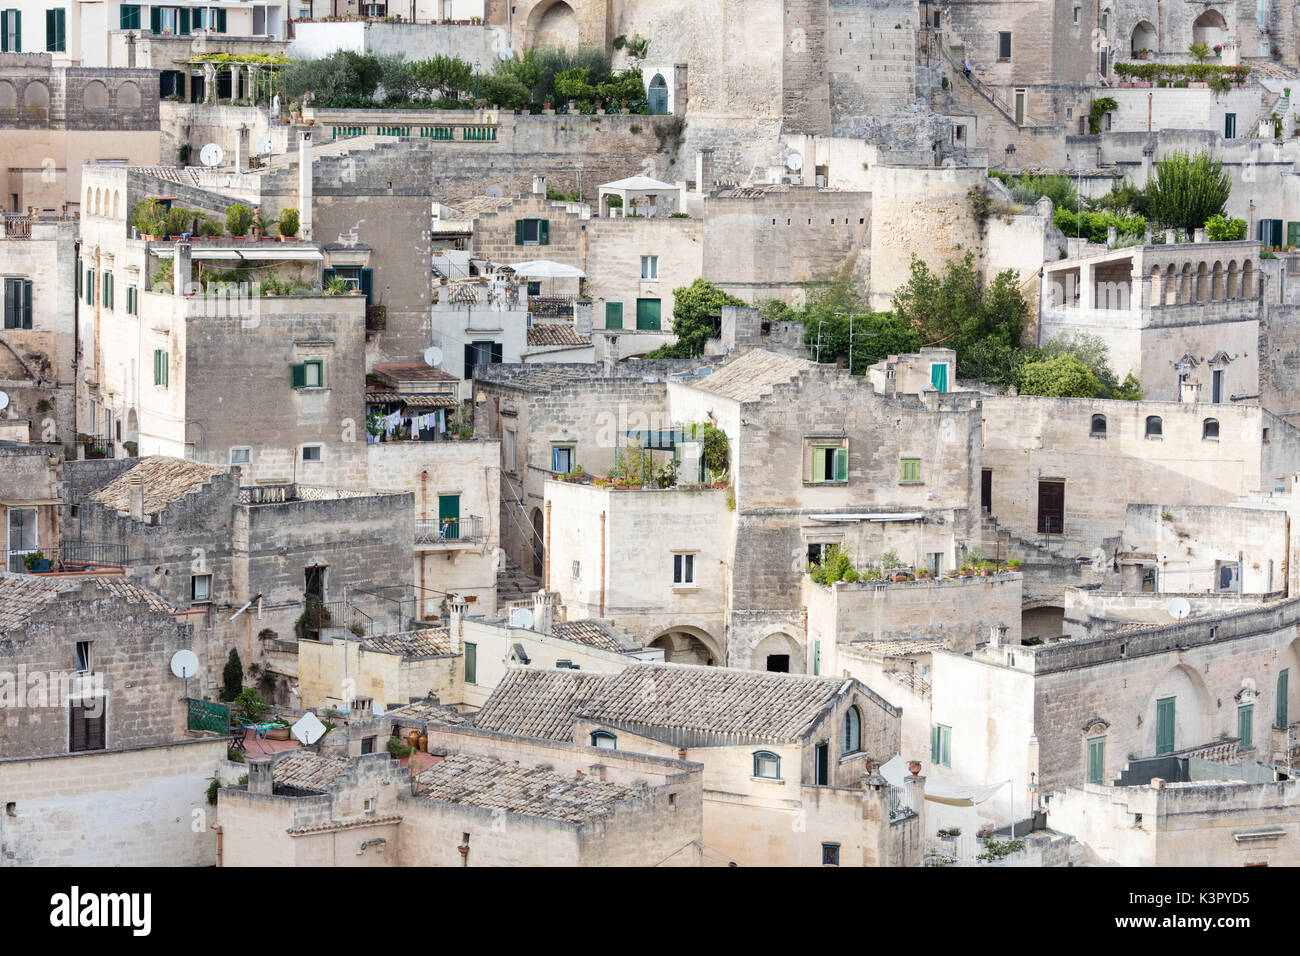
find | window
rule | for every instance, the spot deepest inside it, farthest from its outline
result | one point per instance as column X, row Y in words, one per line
column 683, row 569
column 89, row 287
column 648, row 314
column 471, row 663
column 160, row 367
column 23, row 535
column 129, row 17
column 1281, row 718
column 830, row 854
column 11, row 31
column 532, row 232
column 535, row 288
column 311, row 452
column 1004, row 46
column 481, row 353
column 1076, row 14
column 562, row 458
column 132, row 300
column 508, row 449
column 367, row 745
column 241, row 456
column 313, row 581
column 613, row 315
column 817, row 550
column 649, row 267
column 909, row 471
column 1229, row 125
column 56, row 30
column 604, row 740
column 1216, row 386
column 821, row 764
column 1155, row 427
column 1210, row 428
column 86, row 724
column 310, row 374
column 1098, row 426
column 1246, row 726
column 941, row 745
column 107, row 287
column 83, row 657
column 852, row 731
column 201, row 587
column 1097, row 761
column 18, row 303
column 829, row 463
column 1165, row 725
column 939, row 376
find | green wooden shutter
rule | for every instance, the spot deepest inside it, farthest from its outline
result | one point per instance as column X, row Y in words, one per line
column 326, row 275
column 818, row 463
column 299, row 372
column 471, row 663
column 497, row 353
column 939, row 376
column 155, row 19
column 613, row 315
column 51, row 32
column 519, row 232
column 910, row 470
column 1293, row 233
column 1165, row 725
column 106, row 290
column 449, row 516
column 934, row 745
column 1281, row 699
column 27, row 303
column 947, row 746
column 1246, row 727
column 647, row 314
column 1097, row 760
column 221, row 20
column 367, row 283
column 185, row 21
column 18, row 31
column 544, row 232
column 841, row 464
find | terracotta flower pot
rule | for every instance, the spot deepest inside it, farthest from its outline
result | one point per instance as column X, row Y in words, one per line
column 915, row 767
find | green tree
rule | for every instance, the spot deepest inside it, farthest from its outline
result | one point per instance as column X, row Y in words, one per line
column 1219, row 229
column 1062, row 376
column 692, row 306
column 874, row 336
column 232, row 676
column 572, row 84
column 1187, row 190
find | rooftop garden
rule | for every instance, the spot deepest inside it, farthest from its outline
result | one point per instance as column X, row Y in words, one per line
column 156, row 220
column 837, row 565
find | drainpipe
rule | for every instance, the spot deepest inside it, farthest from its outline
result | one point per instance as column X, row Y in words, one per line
column 424, row 495
column 602, row 564
column 216, row 828
column 76, row 340
column 547, row 582
column 97, row 295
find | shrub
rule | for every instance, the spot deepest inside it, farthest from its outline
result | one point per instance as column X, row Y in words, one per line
column 213, row 786
column 232, row 676
column 399, row 749
column 148, row 217
column 1219, row 229
column 288, row 222
column 179, row 220
column 1187, row 190
column 249, row 705
column 234, row 756
column 1062, row 376
column 239, row 219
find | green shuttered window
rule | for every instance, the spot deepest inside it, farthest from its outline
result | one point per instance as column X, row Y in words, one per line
column 56, row 30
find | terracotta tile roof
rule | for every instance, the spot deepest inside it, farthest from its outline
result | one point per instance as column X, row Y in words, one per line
column 304, row 770
column 751, row 376
column 555, row 334
column 901, row 648
column 399, row 374
column 533, row 791
column 913, row 682
column 425, row 642
column 411, row 400
column 593, row 634
column 536, row 702
column 432, row 712
column 22, row 595
column 346, row 824
column 165, row 480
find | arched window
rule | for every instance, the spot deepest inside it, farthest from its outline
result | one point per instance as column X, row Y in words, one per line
column 1155, row 427
column 1098, row 426
column 1210, row 428
column 767, row 765
column 604, row 740
column 852, row 731
column 658, row 95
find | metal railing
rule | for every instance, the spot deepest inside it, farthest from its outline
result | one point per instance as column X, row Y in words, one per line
column 94, row 553
column 17, row 226
column 467, row 529
column 551, row 306
column 267, row 494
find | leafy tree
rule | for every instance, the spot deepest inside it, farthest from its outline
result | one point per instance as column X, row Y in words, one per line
column 250, row 705
column 1187, row 190
column 875, row 335
column 1220, row 229
column 505, row 91
column 447, row 76
column 692, row 306
column 572, row 84
column 1062, row 376
column 232, row 676
column 626, row 87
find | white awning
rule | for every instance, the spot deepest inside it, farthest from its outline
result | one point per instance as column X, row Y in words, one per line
column 546, row 269
column 249, row 255
column 872, row 516
column 960, row 796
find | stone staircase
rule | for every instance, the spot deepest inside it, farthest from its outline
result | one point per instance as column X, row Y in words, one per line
column 514, row 587
column 996, row 539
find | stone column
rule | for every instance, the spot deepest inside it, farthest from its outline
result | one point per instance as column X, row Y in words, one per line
column 1086, row 286
column 209, row 83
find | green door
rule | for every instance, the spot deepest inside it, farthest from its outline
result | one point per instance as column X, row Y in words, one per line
column 1281, row 699
column 647, row 314
column 1097, row 760
column 613, row 315
column 1246, row 727
column 449, row 517
column 1229, row 125
column 939, row 376
column 1165, row 726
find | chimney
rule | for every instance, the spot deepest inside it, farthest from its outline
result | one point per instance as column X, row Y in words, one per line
column 998, row 635
column 582, row 317
column 1190, row 391
column 181, row 269
column 543, row 612
column 130, row 51
column 241, row 147
column 259, row 775
column 611, row 355
column 135, row 486
column 304, row 185
column 1199, row 236
column 539, row 186
column 457, row 608
column 704, row 171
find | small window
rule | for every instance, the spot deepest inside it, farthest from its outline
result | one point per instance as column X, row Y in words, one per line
column 201, row 587
column 830, row 854
column 1210, row 428
column 563, row 458
column 604, row 740
column 1076, row 14
column 1246, row 726
column 830, row 463
column 367, row 745
column 1098, row 426
column 18, row 303
column 852, row 730
column 909, row 471
column 471, row 663
column 1155, row 427
column 532, row 232
column 1004, row 46
column 370, row 805
column 767, row 765
column 160, row 367
column 315, row 376
column 241, row 456
column 83, row 657
column 649, row 267
column 683, row 569
column 311, row 452
column 941, row 745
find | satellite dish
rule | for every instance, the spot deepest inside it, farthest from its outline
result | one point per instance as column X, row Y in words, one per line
column 794, row 161
column 521, row 617
column 185, row 664
column 493, row 192
column 1179, row 608
column 309, row 729
column 211, row 155
column 505, row 54
column 4, row 400
column 264, row 145
column 433, row 356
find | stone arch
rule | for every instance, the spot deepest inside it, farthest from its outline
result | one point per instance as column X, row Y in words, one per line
column 688, row 645
column 132, row 426
column 554, row 23
column 657, row 94
column 90, row 200
column 1171, row 284
column 36, row 100
column 1143, row 37
column 1156, row 292
column 769, row 652
column 1202, row 283
column 8, row 98
column 1192, row 714
column 1247, row 280
column 1042, row 619
column 1216, row 283
column 1233, row 290
column 116, row 200
column 128, row 96
column 1185, row 285
column 538, row 543
column 1210, row 28
column 94, row 205
column 95, row 96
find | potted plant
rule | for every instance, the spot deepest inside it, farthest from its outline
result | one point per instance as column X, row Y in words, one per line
column 914, row 766
column 337, row 285
column 278, row 732
column 238, row 220
column 288, row 223
column 36, row 562
column 1218, row 49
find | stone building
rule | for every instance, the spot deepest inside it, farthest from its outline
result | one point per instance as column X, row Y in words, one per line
column 29, row 490
column 759, row 737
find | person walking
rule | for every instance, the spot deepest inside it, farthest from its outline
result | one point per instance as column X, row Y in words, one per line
column 965, row 67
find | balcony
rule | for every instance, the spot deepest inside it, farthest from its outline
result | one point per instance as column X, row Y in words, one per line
column 449, row 532
column 551, row 306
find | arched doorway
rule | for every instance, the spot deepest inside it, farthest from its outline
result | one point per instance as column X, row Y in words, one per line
column 688, row 645
column 779, row 653
column 538, row 544
column 1042, row 621
column 658, row 95
column 1177, row 714
column 1144, row 38
column 1210, row 28
column 554, row 26
column 133, row 432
